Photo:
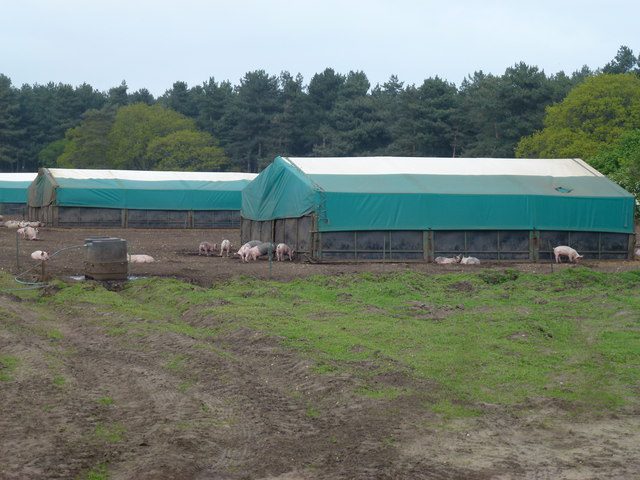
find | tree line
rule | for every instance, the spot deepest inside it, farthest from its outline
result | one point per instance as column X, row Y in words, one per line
column 220, row 126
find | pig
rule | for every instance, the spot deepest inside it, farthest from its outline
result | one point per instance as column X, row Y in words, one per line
column 225, row 247
column 206, row 248
column 260, row 250
column 12, row 224
column 470, row 261
column 569, row 252
column 244, row 249
column 31, row 224
column 283, row 249
column 28, row 233
column 40, row 255
column 140, row 258
column 444, row 260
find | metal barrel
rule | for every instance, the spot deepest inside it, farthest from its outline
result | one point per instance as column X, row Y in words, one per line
column 106, row 258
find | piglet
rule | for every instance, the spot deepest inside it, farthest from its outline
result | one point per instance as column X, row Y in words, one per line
column 40, row 255
column 140, row 258
column 283, row 249
column 565, row 251
column 28, row 233
column 445, row 260
column 225, row 247
column 206, row 248
column 470, row 261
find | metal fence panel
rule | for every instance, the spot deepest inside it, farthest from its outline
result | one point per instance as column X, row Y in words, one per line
column 448, row 242
column 158, row 219
column 89, row 217
column 406, row 240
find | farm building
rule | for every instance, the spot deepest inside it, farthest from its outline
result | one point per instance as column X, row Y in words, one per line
column 390, row 208
column 137, row 199
column 13, row 192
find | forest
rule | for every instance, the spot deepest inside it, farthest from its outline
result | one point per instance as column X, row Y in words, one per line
column 591, row 113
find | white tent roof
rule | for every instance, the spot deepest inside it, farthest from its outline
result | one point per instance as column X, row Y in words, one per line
column 562, row 167
column 17, row 177
column 149, row 176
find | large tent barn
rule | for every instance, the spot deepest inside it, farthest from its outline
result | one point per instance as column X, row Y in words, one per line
column 390, row 208
column 13, row 192
column 137, row 199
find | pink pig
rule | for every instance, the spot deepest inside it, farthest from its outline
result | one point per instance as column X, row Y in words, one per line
column 283, row 249
column 569, row 252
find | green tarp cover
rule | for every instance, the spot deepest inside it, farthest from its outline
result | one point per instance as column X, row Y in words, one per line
column 136, row 194
column 14, row 191
column 439, row 202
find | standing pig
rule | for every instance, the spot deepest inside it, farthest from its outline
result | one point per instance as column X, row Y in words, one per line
column 283, row 249
column 244, row 249
column 225, row 247
column 206, row 248
column 260, row 250
column 568, row 252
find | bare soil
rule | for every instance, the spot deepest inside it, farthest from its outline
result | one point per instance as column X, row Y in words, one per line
column 176, row 255
column 244, row 406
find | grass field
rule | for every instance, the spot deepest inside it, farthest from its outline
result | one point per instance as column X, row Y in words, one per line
column 459, row 344
column 495, row 337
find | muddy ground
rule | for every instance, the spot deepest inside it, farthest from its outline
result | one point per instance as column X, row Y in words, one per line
column 248, row 407
column 176, row 255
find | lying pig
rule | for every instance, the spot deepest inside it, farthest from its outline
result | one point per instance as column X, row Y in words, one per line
column 28, row 233
column 470, row 261
column 40, row 255
column 140, row 258
column 443, row 260
column 12, row 224
column 283, row 249
column 568, row 252
column 225, row 247
column 260, row 250
column 206, row 248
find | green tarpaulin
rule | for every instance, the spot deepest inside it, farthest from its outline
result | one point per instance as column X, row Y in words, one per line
column 13, row 187
column 138, row 190
column 388, row 193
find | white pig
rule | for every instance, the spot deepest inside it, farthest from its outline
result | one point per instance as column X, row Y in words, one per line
column 28, row 233
column 569, row 252
column 225, row 247
column 12, row 224
column 140, row 258
column 206, row 248
column 283, row 249
column 40, row 255
column 443, row 260
column 470, row 261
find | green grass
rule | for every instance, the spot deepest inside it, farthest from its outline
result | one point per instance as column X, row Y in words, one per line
column 99, row 472
column 8, row 365
column 106, row 401
column 497, row 337
column 110, row 433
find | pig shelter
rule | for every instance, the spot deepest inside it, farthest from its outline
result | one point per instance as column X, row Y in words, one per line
column 398, row 208
column 13, row 192
column 136, row 199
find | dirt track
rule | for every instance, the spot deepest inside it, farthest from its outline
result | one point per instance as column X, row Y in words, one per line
column 244, row 407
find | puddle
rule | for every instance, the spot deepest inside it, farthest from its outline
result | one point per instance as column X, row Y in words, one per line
column 81, row 278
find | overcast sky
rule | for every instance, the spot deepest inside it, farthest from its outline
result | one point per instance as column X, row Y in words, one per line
column 153, row 43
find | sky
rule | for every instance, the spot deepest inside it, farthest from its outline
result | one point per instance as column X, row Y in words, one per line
column 153, row 43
